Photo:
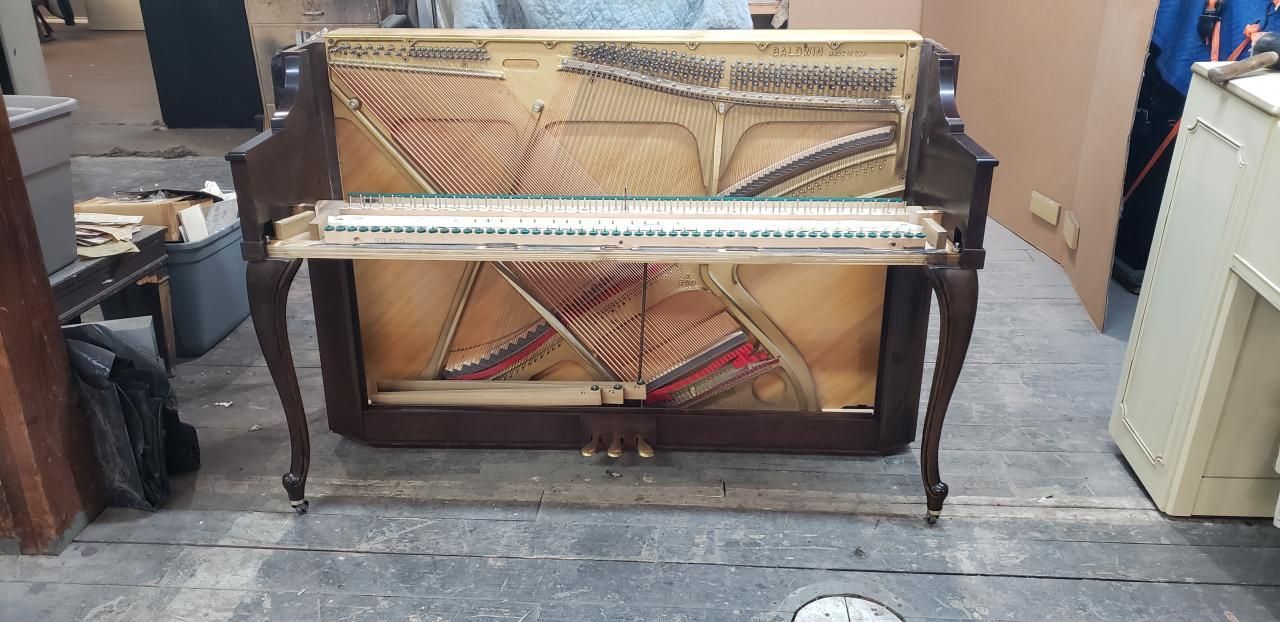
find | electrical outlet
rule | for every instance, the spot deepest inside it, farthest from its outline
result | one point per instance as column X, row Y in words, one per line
column 1044, row 208
column 1071, row 230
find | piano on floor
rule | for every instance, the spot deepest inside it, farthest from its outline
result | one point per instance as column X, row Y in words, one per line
column 619, row 242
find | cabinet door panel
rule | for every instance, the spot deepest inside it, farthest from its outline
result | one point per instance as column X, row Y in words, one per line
column 1197, row 210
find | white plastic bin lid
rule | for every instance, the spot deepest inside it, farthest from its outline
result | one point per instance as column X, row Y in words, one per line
column 29, row 109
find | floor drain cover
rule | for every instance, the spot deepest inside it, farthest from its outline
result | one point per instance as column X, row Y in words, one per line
column 845, row 609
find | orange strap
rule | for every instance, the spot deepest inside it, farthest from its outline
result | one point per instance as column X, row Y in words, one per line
column 1235, row 55
column 1173, row 131
column 1216, row 42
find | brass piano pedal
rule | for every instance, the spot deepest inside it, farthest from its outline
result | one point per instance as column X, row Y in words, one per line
column 643, row 447
column 615, row 447
column 591, row 447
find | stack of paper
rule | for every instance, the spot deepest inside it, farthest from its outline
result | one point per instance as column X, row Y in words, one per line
column 101, row 235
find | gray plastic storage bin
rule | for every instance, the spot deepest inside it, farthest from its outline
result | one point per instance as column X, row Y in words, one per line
column 42, row 134
column 207, row 284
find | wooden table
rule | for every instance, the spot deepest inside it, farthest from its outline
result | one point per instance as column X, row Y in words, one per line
column 88, row 282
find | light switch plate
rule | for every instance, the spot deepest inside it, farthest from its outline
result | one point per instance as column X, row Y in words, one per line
column 1044, row 208
column 1071, row 230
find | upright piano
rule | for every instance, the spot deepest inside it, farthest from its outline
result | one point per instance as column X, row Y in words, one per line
column 614, row 242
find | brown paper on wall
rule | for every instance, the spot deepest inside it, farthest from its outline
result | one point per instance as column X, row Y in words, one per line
column 855, row 14
column 1051, row 88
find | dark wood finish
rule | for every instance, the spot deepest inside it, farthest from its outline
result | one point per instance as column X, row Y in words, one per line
column 46, row 455
column 87, row 283
column 957, row 292
column 340, row 351
column 773, row 431
column 269, row 283
column 8, row 530
column 295, row 162
column 902, row 345
column 947, row 170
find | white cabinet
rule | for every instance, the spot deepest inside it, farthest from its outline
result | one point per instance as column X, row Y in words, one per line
column 1197, row 414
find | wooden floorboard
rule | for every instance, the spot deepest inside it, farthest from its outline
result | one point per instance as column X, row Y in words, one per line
column 564, row 588
column 1045, row 521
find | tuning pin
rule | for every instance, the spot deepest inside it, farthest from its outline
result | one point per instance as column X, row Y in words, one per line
column 643, row 448
column 615, row 447
column 592, row 446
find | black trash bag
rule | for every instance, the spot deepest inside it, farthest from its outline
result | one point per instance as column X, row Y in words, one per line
column 132, row 411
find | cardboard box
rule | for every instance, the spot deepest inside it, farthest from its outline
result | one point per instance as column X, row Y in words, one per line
column 159, row 209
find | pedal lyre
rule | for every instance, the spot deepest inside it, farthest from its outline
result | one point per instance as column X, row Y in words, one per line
column 616, row 433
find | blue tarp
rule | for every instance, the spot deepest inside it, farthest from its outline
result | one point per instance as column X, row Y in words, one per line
column 1175, row 34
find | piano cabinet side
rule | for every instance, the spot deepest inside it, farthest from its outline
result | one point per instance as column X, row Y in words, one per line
column 950, row 172
column 294, row 162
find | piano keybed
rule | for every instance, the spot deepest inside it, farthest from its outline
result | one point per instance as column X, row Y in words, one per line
column 626, row 223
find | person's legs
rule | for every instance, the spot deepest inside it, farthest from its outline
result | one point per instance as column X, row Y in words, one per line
column 67, row 14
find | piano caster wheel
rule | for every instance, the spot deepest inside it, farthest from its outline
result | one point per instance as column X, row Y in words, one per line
column 932, row 516
column 615, row 447
column 644, row 449
column 300, row 506
column 591, row 447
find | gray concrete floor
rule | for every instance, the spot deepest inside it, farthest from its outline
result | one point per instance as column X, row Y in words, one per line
column 109, row 73
column 1045, row 522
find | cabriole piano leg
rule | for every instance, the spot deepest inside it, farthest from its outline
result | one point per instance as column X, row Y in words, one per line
column 269, row 283
column 957, row 292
